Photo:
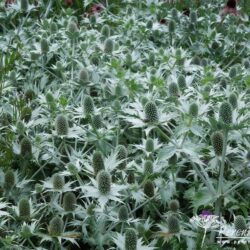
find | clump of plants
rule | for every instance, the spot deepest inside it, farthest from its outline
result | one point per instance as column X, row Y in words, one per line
column 124, row 125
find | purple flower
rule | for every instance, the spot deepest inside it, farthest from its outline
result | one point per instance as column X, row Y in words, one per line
column 205, row 213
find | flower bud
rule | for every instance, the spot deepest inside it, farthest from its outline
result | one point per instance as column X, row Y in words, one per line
column 56, row 226
column 149, row 188
column 149, row 145
column 62, row 125
column 171, row 26
column 108, row 46
column 97, row 161
column 217, row 142
column 44, row 46
column 225, row 113
column 58, row 181
column 193, row 110
column 148, row 167
column 151, row 112
column 88, row 105
column 69, row 202
column 130, row 239
column 174, row 205
column 182, row 82
column 104, row 182
column 173, row 89
column 9, row 179
column 233, row 100
column 173, row 224
column 26, row 148
column 24, row 209
column 105, row 31
column 123, row 213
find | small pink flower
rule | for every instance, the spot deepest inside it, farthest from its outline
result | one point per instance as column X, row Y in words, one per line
column 97, row 8
column 227, row 10
column 230, row 8
column 9, row 2
column 69, row 2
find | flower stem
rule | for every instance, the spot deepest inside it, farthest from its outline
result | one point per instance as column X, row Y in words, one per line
column 219, row 201
column 221, row 178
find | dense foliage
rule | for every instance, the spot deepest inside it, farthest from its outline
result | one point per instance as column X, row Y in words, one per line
column 124, row 125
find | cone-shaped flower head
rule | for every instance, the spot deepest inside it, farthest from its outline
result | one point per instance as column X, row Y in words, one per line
column 149, row 145
column 130, row 239
column 105, row 31
column 104, row 182
column 151, row 112
column 174, row 205
column 225, row 113
column 182, row 82
column 24, row 209
column 58, row 181
column 44, row 46
column 9, row 179
column 97, row 161
column 217, row 142
column 62, row 125
column 173, row 224
column 88, row 105
column 149, row 188
column 26, row 148
column 108, row 46
column 148, row 167
column 56, row 226
column 233, row 100
column 69, row 202
column 123, row 213
column 193, row 110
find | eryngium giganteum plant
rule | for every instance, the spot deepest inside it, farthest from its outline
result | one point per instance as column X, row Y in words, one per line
column 112, row 113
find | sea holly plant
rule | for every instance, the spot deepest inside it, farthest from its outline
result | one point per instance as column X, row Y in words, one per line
column 124, row 124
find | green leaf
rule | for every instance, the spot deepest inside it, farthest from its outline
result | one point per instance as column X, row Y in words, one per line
column 166, row 152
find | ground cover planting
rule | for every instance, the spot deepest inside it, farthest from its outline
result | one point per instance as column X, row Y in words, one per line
column 124, row 124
